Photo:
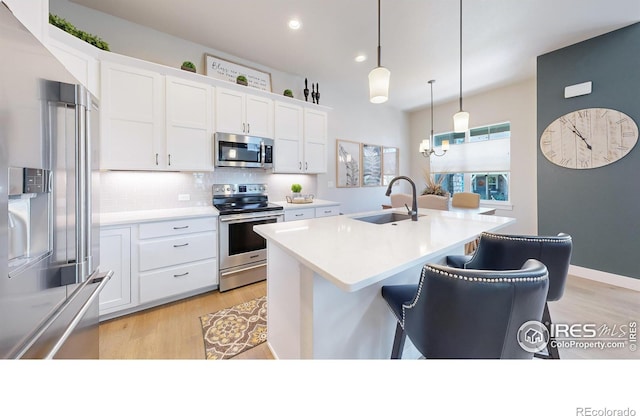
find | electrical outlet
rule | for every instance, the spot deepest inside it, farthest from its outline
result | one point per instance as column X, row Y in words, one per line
column 184, row 197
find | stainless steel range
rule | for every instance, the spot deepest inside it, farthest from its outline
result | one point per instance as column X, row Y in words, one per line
column 242, row 253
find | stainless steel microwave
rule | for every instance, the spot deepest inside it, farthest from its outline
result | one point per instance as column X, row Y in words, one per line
column 235, row 150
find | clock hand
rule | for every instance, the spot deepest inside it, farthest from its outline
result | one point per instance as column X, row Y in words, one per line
column 575, row 130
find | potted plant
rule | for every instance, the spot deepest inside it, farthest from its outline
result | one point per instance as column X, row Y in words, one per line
column 288, row 93
column 188, row 66
column 296, row 188
column 242, row 80
column 433, row 186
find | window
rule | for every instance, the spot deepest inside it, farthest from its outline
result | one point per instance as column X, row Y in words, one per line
column 478, row 161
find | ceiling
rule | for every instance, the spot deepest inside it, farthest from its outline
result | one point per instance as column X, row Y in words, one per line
column 419, row 38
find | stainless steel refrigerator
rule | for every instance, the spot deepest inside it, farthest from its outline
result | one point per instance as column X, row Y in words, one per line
column 49, row 244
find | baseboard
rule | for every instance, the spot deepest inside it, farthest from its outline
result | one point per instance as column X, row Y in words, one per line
column 604, row 277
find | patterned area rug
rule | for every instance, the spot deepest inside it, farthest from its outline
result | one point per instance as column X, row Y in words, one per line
column 231, row 331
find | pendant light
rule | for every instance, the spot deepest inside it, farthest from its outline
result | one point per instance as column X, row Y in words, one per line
column 461, row 118
column 379, row 76
column 426, row 146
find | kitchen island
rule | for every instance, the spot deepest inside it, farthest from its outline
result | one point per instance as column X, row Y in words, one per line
column 324, row 277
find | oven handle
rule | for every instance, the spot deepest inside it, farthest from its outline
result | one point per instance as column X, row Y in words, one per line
column 225, row 274
column 249, row 219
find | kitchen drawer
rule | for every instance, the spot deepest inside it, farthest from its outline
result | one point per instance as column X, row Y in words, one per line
column 176, row 250
column 299, row 214
column 176, row 227
column 176, row 280
column 327, row 211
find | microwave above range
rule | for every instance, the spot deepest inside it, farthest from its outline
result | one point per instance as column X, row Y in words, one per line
column 239, row 151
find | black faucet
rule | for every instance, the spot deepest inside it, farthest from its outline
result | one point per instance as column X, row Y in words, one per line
column 414, row 204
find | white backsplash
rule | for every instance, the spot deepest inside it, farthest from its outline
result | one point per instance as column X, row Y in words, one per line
column 135, row 191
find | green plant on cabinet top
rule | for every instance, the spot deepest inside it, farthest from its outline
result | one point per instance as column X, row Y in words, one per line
column 80, row 34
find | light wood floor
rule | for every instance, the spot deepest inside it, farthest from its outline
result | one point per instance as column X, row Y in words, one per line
column 173, row 331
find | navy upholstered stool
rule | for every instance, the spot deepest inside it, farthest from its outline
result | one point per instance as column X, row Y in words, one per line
column 504, row 251
column 463, row 313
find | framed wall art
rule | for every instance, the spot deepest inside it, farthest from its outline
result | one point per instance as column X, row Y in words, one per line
column 347, row 164
column 371, row 165
column 390, row 163
column 228, row 71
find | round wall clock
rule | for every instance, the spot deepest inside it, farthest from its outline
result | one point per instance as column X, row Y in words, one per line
column 589, row 138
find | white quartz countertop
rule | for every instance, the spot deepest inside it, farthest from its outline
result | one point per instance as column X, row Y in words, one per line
column 354, row 254
column 130, row 217
column 315, row 204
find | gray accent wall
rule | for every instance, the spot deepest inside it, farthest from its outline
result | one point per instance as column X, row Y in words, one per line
column 599, row 207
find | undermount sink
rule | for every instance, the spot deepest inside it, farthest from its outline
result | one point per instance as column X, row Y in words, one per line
column 385, row 218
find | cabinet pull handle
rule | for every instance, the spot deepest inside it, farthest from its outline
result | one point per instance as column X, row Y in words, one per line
column 248, row 128
column 169, row 159
column 327, row 212
column 181, row 228
column 156, row 159
column 180, row 275
column 299, row 215
column 243, row 127
column 181, row 245
column 306, row 165
column 299, row 165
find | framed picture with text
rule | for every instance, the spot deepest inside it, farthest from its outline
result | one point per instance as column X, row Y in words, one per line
column 225, row 70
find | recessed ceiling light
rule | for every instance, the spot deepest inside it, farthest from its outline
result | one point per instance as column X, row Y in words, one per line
column 295, row 24
column 361, row 58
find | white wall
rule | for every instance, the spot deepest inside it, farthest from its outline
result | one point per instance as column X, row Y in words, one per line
column 352, row 118
column 516, row 104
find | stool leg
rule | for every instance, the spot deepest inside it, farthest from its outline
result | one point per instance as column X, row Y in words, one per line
column 398, row 342
column 552, row 348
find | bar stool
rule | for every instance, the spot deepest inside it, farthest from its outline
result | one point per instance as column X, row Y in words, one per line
column 505, row 251
column 463, row 313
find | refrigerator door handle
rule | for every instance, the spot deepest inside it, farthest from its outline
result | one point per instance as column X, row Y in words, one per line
column 102, row 280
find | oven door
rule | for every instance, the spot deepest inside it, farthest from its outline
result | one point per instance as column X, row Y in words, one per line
column 239, row 244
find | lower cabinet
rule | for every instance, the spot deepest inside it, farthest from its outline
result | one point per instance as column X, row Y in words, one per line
column 294, row 214
column 157, row 262
column 115, row 254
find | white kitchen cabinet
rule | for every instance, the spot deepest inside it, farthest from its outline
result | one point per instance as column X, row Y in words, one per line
column 115, row 254
column 300, row 139
column 132, row 135
column 189, row 124
column 288, row 144
column 315, row 141
column 316, row 209
column 176, row 257
column 79, row 57
column 242, row 113
column 299, row 214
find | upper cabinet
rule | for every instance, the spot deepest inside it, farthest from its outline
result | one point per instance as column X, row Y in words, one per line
column 132, row 120
column 154, row 122
column 82, row 65
column 189, row 124
column 288, row 145
column 315, row 141
column 300, row 139
column 242, row 113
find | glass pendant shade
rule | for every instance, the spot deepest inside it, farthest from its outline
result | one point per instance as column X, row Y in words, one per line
column 379, row 84
column 461, row 122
